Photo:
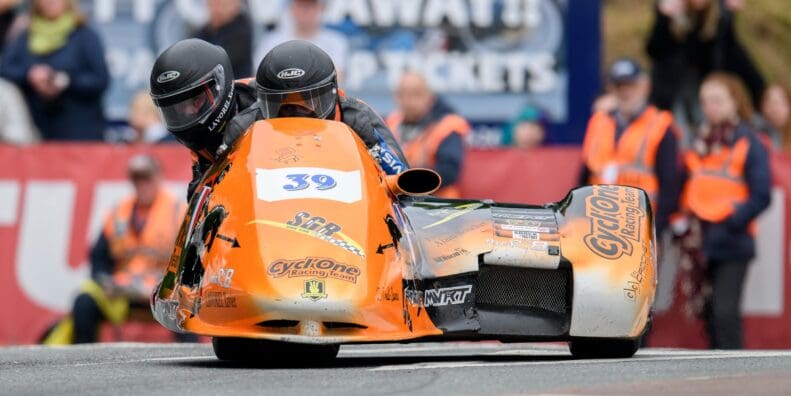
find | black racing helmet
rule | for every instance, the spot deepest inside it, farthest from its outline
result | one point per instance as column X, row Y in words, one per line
column 192, row 86
column 297, row 79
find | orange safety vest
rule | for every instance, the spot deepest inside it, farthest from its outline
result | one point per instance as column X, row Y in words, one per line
column 421, row 151
column 633, row 157
column 716, row 182
column 143, row 257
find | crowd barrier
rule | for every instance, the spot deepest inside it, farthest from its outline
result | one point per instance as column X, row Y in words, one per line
column 54, row 197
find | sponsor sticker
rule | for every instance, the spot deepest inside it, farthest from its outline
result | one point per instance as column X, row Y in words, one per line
column 509, row 227
column 446, row 296
column 315, row 290
column 318, row 267
column 458, row 252
column 222, row 277
column 308, row 183
column 286, row 155
column 615, row 221
column 220, row 300
column 290, row 73
column 329, row 232
column 168, row 76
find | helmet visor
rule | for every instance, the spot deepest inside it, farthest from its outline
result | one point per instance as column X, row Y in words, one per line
column 316, row 102
column 187, row 107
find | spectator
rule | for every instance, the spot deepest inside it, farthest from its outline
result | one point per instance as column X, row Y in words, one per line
column 307, row 25
column 130, row 255
column 635, row 144
column 429, row 132
column 15, row 124
column 144, row 119
column 728, row 187
column 690, row 39
column 230, row 28
column 776, row 109
column 526, row 131
column 8, row 17
column 58, row 63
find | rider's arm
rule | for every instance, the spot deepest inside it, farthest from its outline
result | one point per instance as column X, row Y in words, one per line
column 364, row 120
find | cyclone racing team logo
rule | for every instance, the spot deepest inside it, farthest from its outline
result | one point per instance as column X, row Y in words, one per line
column 615, row 221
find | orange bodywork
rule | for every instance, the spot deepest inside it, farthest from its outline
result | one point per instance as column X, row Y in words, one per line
column 297, row 236
column 365, row 306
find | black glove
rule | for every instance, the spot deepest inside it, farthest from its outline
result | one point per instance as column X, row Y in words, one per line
column 236, row 128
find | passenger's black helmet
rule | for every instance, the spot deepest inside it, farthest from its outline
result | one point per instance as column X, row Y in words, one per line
column 192, row 86
column 297, row 79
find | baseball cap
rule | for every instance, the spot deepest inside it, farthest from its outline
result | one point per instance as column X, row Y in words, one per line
column 625, row 70
column 143, row 165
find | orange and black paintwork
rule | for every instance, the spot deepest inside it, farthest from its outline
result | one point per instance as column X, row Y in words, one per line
column 298, row 236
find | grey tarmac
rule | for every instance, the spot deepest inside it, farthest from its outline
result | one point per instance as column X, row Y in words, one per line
column 483, row 368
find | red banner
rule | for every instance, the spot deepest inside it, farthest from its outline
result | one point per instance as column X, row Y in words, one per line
column 53, row 197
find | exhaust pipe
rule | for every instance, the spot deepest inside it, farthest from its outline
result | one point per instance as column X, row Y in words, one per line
column 414, row 182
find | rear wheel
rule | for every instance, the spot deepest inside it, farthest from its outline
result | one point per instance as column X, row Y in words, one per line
column 604, row 348
column 272, row 352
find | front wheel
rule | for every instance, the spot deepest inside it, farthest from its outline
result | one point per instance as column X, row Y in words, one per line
column 272, row 352
column 604, row 348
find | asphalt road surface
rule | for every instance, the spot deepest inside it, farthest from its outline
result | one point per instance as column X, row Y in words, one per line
column 414, row 369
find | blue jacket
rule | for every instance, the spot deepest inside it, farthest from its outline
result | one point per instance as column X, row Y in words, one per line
column 77, row 113
column 730, row 240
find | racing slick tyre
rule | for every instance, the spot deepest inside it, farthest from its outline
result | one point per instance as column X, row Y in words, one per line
column 604, row 348
column 272, row 352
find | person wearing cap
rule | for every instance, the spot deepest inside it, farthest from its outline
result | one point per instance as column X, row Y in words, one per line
column 129, row 256
column 635, row 144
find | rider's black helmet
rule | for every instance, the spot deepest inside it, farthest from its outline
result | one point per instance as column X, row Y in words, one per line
column 192, row 86
column 297, row 79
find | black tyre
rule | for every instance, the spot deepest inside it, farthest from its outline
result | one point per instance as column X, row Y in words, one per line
column 604, row 348
column 267, row 352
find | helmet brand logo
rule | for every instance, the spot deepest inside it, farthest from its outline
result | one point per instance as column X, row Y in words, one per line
column 168, row 76
column 290, row 73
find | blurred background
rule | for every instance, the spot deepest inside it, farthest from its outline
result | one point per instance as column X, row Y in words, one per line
column 526, row 75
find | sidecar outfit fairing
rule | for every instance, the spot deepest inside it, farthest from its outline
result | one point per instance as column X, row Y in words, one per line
column 299, row 240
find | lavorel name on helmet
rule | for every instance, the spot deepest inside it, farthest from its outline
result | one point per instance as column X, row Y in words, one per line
column 220, row 119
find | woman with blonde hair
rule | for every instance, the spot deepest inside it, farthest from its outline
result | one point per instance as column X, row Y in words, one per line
column 728, row 186
column 58, row 63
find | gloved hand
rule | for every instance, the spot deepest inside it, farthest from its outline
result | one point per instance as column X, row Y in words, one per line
column 236, row 128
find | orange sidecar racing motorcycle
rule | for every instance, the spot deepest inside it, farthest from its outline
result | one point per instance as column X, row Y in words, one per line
column 298, row 242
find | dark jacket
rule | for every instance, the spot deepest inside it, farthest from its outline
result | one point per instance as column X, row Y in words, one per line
column 672, row 58
column 450, row 153
column 668, row 174
column 730, row 240
column 77, row 113
column 236, row 38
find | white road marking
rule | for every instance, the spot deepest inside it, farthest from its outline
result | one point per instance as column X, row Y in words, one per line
column 694, row 355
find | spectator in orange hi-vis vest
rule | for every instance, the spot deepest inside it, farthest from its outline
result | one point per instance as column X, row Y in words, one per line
column 635, row 144
column 131, row 252
column 728, row 185
column 430, row 133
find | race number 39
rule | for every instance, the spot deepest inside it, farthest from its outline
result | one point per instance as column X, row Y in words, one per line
column 308, row 183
